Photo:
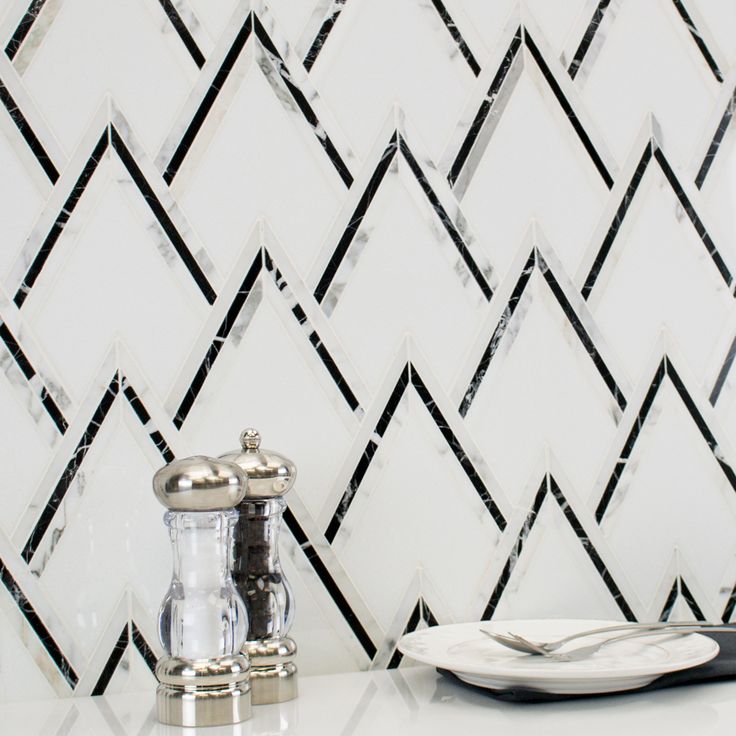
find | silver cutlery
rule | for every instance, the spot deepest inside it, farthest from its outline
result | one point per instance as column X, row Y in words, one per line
column 520, row 644
column 583, row 652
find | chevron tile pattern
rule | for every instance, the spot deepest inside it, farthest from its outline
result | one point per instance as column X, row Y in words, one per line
column 470, row 264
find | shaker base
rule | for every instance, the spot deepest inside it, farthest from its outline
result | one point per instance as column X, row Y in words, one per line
column 273, row 674
column 215, row 692
column 223, row 707
column 275, row 684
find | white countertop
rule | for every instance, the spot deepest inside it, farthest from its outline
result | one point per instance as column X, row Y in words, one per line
column 409, row 701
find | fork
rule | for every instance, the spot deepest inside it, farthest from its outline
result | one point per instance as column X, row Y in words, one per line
column 576, row 655
column 520, row 644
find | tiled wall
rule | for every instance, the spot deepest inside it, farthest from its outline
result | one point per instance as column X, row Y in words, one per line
column 469, row 263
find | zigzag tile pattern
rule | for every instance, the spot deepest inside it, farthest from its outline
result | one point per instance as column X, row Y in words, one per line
column 470, row 264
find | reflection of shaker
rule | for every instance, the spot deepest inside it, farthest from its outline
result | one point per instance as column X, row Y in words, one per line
column 204, row 680
column 257, row 571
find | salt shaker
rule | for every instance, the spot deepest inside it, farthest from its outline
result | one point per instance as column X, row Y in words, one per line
column 204, row 679
column 257, row 570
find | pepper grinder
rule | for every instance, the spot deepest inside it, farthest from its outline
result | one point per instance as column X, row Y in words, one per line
column 257, row 571
column 204, row 679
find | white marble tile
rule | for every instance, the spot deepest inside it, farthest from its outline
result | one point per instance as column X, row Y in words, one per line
column 401, row 238
column 659, row 274
column 529, row 163
column 125, row 282
column 108, row 535
column 416, row 489
column 419, row 68
column 653, row 72
column 244, row 166
column 671, row 489
column 265, row 373
column 542, row 390
column 71, row 72
column 554, row 577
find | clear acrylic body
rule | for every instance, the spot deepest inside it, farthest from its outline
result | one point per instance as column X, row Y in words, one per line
column 257, row 571
column 202, row 615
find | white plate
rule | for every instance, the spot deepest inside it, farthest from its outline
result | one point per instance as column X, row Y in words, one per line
column 625, row 665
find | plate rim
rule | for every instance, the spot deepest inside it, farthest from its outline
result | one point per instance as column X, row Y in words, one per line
column 632, row 671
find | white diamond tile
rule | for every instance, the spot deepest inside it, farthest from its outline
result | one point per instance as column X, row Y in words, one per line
column 404, row 496
column 554, row 577
column 542, row 390
column 418, row 67
column 533, row 166
column 287, row 380
column 245, row 166
column 114, row 539
column 71, row 72
column 671, row 490
column 658, row 245
column 106, row 282
column 400, row 240
column 663, row 73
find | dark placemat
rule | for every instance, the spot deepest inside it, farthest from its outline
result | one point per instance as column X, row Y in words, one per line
column 722, row 667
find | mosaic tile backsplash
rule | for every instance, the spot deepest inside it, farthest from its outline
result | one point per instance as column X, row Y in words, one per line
column 470, row 264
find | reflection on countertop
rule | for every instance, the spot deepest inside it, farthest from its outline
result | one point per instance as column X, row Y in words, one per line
column 415, row 700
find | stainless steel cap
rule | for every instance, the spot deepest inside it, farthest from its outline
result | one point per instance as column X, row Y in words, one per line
column 269, row 474
column 199, row 483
